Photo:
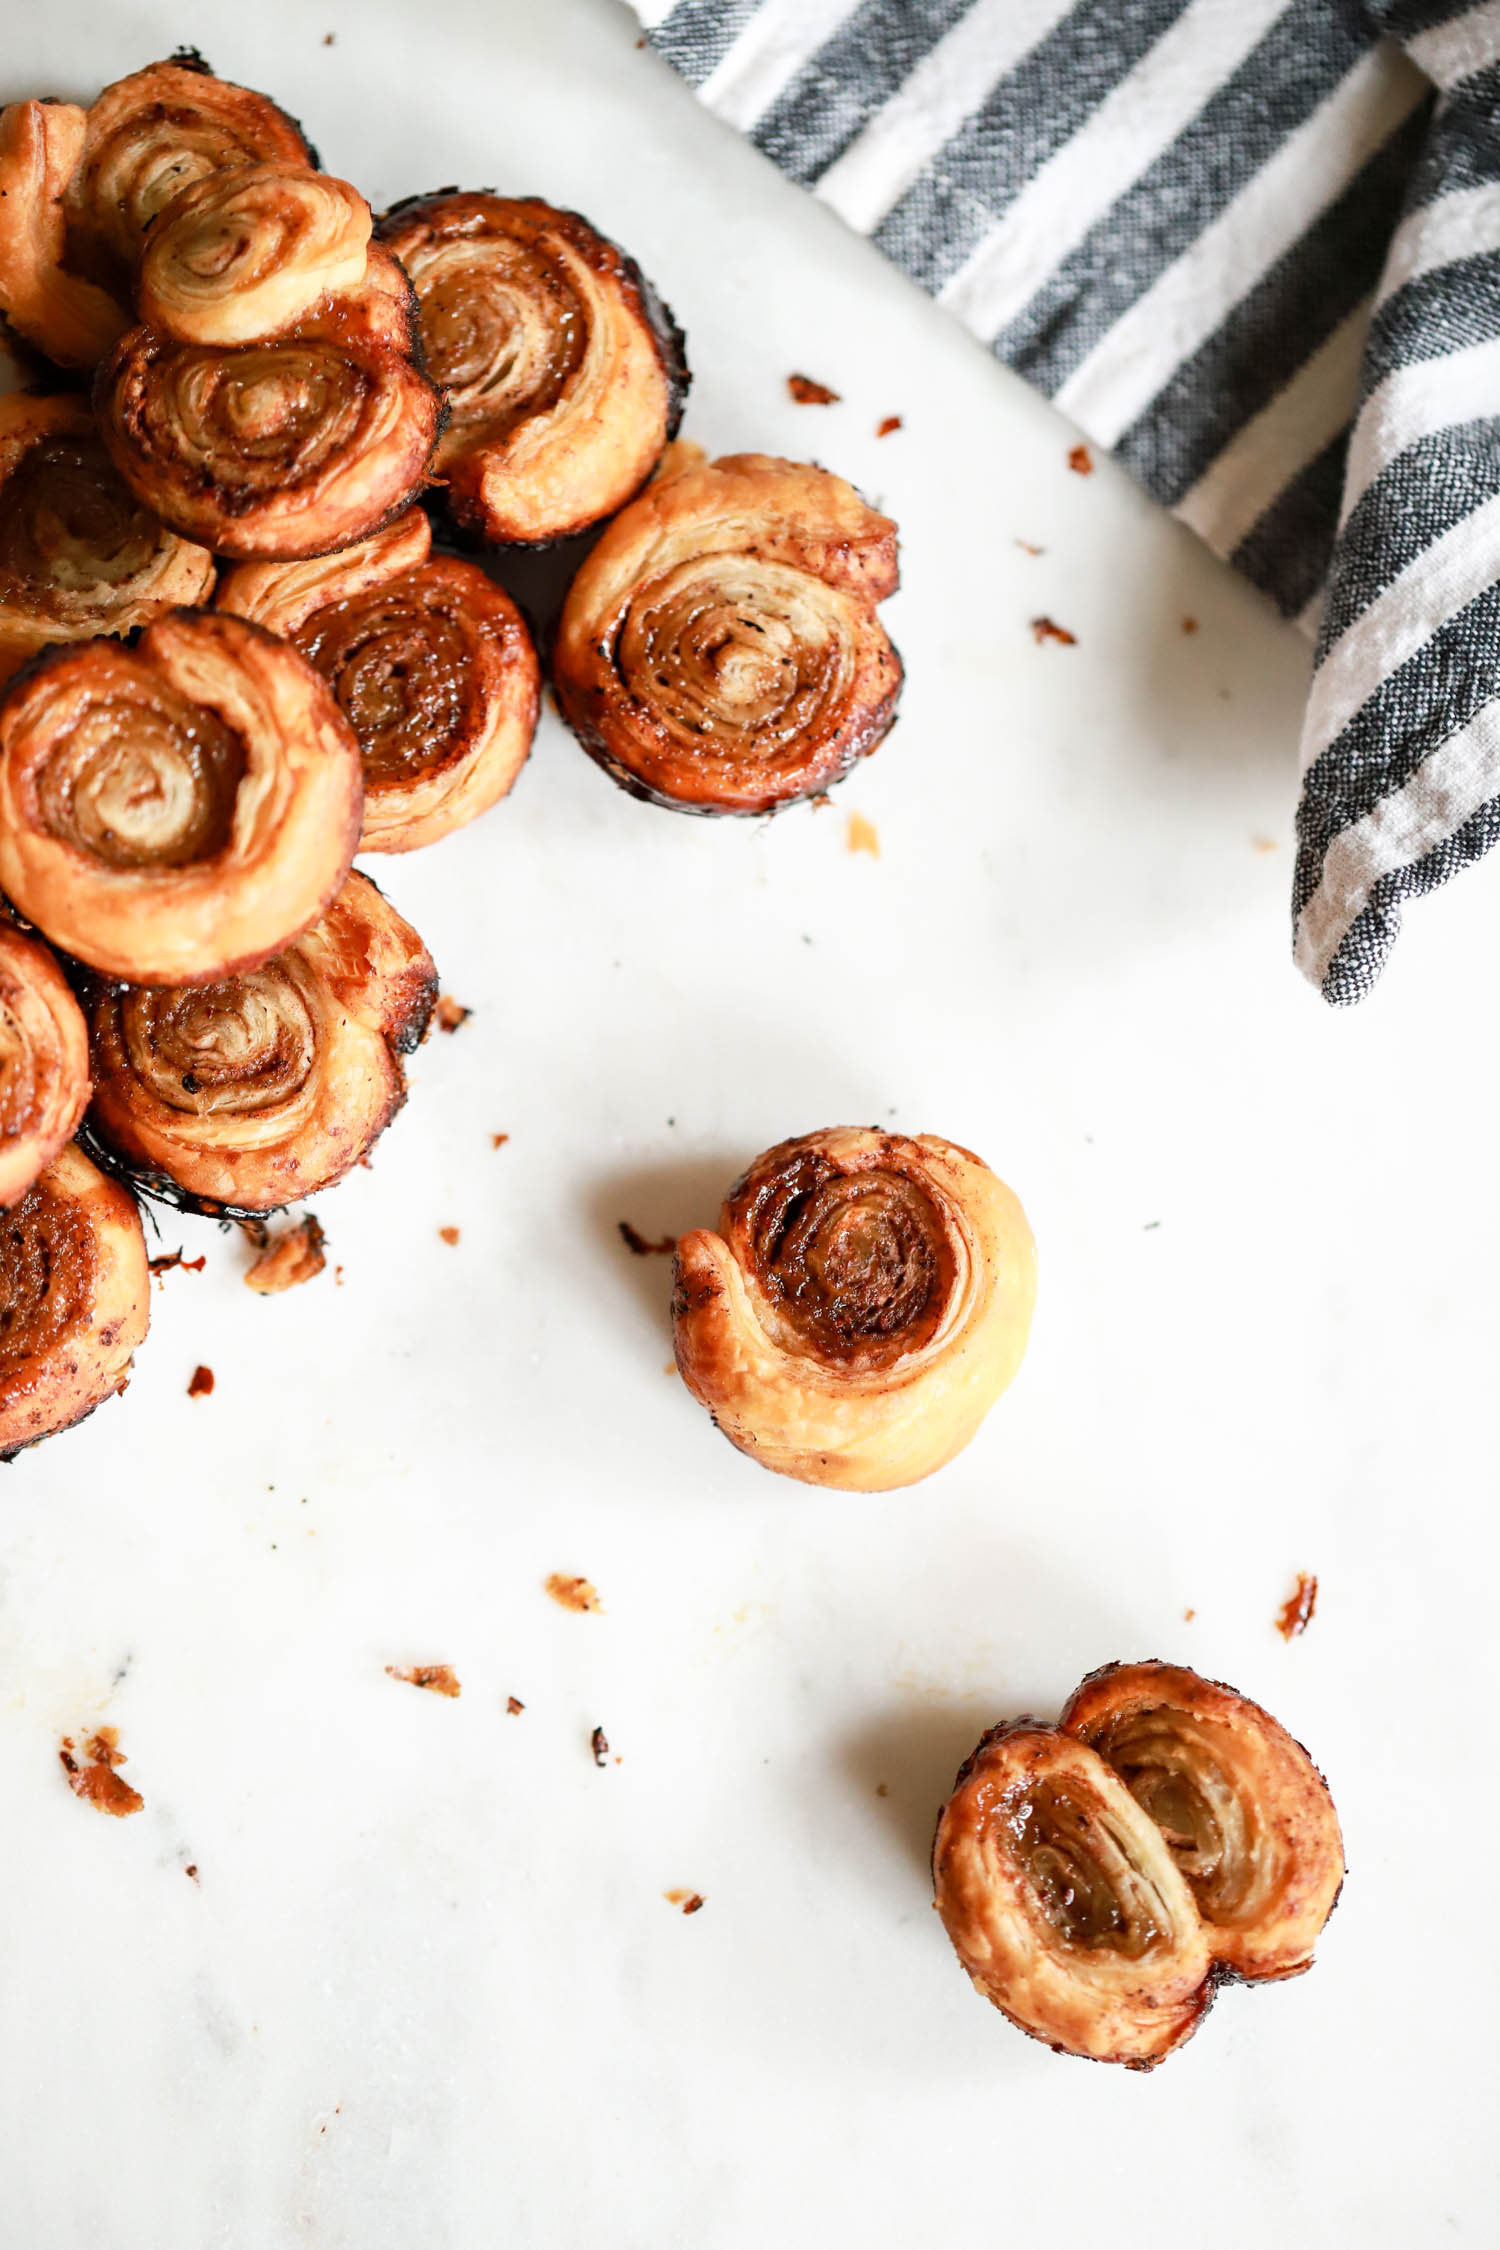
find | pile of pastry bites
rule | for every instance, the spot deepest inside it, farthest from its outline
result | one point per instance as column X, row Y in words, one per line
column 242, row 638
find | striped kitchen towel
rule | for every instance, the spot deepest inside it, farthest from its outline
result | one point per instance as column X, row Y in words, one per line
column 1253, row 248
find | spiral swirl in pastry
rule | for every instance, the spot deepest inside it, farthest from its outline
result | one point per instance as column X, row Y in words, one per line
column 241, row 254
column 1064, row 1903
column 866, row 1301
column 176, row 810
column 1244, row 1811
column 79, row 555
column 564, row 372
column 300, row 443
column 720, row 651
column 74, row 1299
column 149, row 136
column 44, row 1061
column 268, row 1086
column 429, row 662
column 70, row 319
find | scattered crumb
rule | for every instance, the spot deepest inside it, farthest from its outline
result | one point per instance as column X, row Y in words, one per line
column 882, row 1788
column 498, row 1140
column 191, row 1871
column 634, row 1240
column 1046, row 629
column 572, row 1593
column 171, row 1260
column 338, row 1277
column 1188, row 1615
column 514, row 1706
column 1295, row 1613
column 95, row 1779
column 822, row 798
column 599, row 1744
column 891, row 423
column 694, row 1904
column 202, row 1382
column 328, row 38
column 440, row 1678
column 863, row 836
column 293, row 1257
column 1081, row 461
column 1029, row 547
column 1190, row 624
column 670, row 1368
column 449, row 1013
column 450, row 1236
column 689, row 1901
column 1263, row 843
column 808, row 393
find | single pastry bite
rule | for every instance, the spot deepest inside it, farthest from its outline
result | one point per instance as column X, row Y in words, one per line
column 68, row 318
column 1245, row 1813
column 719, row 650
column 564, row 372
column 238, row 255
column 74, row 1299
column 267, row 1086
column 1065, row 1904
column 151, row 135
column 178, row 809
column 865, row 1302
column 79, row 555
column 428, row 660
column 44, row 1061
column 303, row 441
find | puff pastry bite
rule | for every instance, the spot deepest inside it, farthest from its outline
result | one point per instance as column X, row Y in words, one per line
column 179, row 809
column 428, row 660
column 267, row 1086
column 302, row 441
column 1102, row 1878
column 79, row 555
column 720, row 649
column 865, row 1302
column 240, row 254
column 564, row 371
column 74, row 1299
column 44, row 1061
column 1245, row 1813
column 62, row 314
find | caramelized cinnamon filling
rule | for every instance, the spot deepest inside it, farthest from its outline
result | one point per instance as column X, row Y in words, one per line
column 68, row 524
column 400, row 660
column 46, row 1275
column 1084, row 1882
column 1179, row 1770
column 859, row 1262
column 245, row 1045
column 736, row 657
column 143, row 783
column 502, row 327
column 257, row 418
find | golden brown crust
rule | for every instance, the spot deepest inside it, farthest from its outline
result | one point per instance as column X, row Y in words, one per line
column 564, row 372
column 1245, row 1811
column 180, row 809
column 240, row 255
column 866, row 1301
column 1065, row 1905
column 70, row 319
column 299, row 443
column 79, row 555
column 719, row 651
column 151, row 135
column 428, row 660
column 74, row 1299
column 44, row 1061
column 262, row 1089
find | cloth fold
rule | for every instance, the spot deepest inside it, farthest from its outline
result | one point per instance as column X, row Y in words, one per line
column 1252, row 247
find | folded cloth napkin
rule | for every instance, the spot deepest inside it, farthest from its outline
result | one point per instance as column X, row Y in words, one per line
column 1252, row 247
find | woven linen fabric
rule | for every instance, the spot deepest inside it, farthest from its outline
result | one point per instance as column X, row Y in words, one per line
column 1252, row 247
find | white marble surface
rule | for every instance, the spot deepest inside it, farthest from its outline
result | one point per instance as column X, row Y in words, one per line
column 426, row 1993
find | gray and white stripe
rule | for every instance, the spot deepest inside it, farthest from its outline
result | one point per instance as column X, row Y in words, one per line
column 1245, row 248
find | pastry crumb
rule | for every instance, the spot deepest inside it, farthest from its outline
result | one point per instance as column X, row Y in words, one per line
column 440, row 1679
column 173, row 1261
column 808, row 393
column 1296, row 1612
column 514, row 1706
column 450, row 1235
column 91, row 1773
column 1028, row 547
column 599, row 1744
column 292, row 1258
column 882, row 1788
column 638, row 1243
column 1047, row 629
column 1081, row 461
column 1190, row 624
column 450, row 1014
column 863, row 836
column 498, row 1140
column 202, row 1382
column 191, row 1871
column 572, row 1593
column 891, row 423
column 1263, row 843
column 1188, row 1615
column 689, row 1901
